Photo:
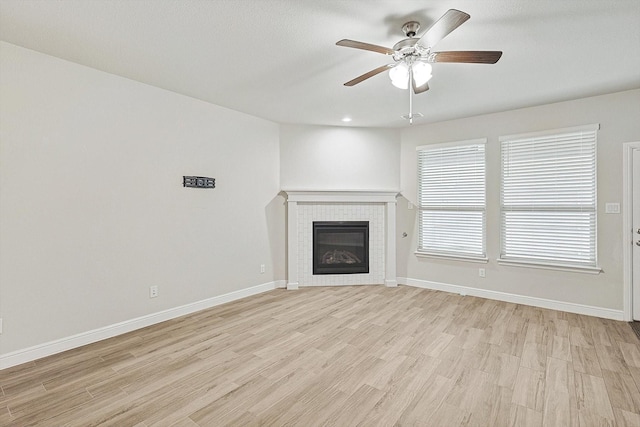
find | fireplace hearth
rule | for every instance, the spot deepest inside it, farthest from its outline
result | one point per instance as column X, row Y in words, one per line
column 340, row 247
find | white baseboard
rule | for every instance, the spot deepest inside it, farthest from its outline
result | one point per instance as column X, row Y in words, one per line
column 47, row 349
column 569, row 307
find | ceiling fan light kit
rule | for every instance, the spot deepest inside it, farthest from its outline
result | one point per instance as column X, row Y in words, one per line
column 413, row 55
column 399, row 74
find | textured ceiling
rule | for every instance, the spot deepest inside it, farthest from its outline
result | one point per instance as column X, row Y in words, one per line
column 277, row 59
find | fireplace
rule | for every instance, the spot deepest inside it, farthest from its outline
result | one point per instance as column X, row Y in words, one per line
column 378, row 208
column 340, row 247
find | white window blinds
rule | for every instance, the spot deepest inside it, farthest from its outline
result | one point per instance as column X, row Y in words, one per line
column 548, row 197
column 451, row 195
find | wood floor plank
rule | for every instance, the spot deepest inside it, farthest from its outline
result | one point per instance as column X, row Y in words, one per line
column 502, row 368
column 403, row 388
column 626, row 419
column 559, row 388
column 560, row 348
column 354, row 409
column 594, row 406
column 534, row 356
column 528, row 390
column 362, row 355
column 521, row 416
column 427, row 401
column 622, row 390
column 630, row 353
column 585, row 360
column 492, row 406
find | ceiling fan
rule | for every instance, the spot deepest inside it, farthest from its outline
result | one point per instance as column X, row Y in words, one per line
column 413, row 56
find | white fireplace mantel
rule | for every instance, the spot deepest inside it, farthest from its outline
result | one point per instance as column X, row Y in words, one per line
column 312, row 197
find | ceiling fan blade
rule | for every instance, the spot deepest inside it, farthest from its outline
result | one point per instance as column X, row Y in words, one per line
column 365, row 46
column 468, row 56
column 419, row 89
column 451, row 20
column 365, row 76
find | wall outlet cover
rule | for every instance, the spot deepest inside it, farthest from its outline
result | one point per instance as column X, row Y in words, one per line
column 612, row 208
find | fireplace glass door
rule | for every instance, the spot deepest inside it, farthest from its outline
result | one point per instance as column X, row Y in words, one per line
column 340, row 247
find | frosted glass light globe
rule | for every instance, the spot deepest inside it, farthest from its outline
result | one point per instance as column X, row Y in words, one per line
column 421, row 73
column 399, row 76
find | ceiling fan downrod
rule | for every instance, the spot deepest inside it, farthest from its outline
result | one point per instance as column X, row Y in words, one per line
column 410, row 94
column 411, row 115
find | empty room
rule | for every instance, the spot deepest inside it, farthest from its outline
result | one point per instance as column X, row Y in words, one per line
column 319, row 213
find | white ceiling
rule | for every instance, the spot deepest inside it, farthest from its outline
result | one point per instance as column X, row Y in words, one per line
column 277, row 59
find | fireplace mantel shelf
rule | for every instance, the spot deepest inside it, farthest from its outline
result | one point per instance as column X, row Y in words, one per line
column 349, row 196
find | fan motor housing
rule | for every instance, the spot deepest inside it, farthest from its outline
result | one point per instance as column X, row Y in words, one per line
column 410, row 29
column 402, row 44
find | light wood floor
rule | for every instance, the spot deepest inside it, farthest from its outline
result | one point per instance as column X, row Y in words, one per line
column 342, row 356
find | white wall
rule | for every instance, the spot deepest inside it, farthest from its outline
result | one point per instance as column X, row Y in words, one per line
column 339, row 158
column 617, row 114
column 92, row 208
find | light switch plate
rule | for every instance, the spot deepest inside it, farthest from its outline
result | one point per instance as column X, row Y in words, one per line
column 612, row 208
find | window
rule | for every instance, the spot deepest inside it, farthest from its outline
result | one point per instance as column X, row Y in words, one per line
column 451, row 197
column 548, row 197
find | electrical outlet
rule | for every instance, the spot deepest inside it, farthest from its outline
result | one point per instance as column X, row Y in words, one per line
column 409, row 205
column 262, row 269
column 482, row 272
column 0, row 325
column 153, row 291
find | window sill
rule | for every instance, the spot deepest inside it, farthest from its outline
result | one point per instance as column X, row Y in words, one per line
column 560, row 267
column 451, row 257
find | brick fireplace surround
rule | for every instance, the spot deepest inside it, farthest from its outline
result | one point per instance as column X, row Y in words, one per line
column 377, row 207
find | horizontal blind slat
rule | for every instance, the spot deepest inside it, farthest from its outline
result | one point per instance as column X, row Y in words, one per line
column 548, row 198
column 452, row 199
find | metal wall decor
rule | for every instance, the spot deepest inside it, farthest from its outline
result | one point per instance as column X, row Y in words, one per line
column 198, row 182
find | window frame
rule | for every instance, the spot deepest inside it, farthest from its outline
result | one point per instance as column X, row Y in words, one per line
column 421, row 252
column 590, row 267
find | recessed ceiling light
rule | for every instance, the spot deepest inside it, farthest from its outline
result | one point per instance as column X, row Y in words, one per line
column 346, row 119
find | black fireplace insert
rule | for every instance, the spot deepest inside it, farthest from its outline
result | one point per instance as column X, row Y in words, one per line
column 340, row 247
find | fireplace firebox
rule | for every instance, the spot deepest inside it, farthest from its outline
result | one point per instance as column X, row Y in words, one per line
column 340, row 247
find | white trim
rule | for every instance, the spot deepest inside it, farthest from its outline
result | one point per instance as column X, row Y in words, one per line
column 569, row 307
column 390, row 273
column 543, row 266
column 57, row 346
column 356, row 196
column 586, row 128
column 292, row 245
column 627, row 216
column 451, row 257
column 451, row 144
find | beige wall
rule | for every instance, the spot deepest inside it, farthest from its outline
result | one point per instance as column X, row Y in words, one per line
column 617, row 115
column 92, row 208
column 339, row 158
